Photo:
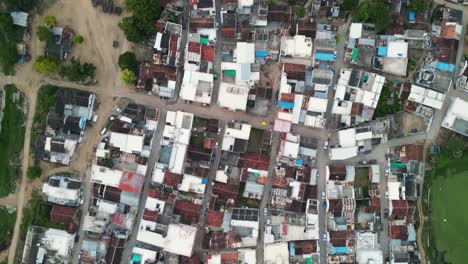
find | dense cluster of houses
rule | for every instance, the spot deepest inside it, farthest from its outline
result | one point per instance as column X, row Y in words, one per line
column 65, row 128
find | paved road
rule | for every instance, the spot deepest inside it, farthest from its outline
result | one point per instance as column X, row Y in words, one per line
column 266, row 196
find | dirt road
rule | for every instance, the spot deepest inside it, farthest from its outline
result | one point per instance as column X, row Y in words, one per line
column 99, row 31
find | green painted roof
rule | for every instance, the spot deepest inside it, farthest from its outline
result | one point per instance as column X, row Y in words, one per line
column 354, row 54
column 230, row 72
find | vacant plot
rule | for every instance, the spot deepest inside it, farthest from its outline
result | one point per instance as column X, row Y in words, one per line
column 11, row 140
column 362, row 180
column 448, row 213
column 6, row 226
column 45, row 100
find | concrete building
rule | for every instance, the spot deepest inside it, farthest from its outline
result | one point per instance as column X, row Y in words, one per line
column 456, row 118
column 63, row 190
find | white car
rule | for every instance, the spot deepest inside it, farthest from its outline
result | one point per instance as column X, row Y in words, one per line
column 325, row 237
column 325, row 145
column 386, row 195
column 323, row 195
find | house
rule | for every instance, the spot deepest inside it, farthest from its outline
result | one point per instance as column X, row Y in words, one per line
column 62, row 214
column 456, row 118
column 47, row 244
column 158, row 79
column 236, row 136
column 63, row 190
column 20, row 18
column 197, row 86
column 297, row 47
column 60, row 44
column 179, row 239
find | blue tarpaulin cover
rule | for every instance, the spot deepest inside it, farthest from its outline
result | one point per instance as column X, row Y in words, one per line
column 382, row 51
column 411, row 16
column 445, row 67
column 324, row 56
column 285, row 104
column 261, row 53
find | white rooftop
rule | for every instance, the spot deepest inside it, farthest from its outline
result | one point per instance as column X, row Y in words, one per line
column 397, row 49
column 106, row 176
column 232, row 96
column 276, row 253
column 457, row 111
column 343, row 153
column 193, row 184
column 426, row 97
column 197, row 87
column 317, row 105
column 126, row 142
column 245, row 52
column 59, row 240
column 297, row 46
column 355, row 31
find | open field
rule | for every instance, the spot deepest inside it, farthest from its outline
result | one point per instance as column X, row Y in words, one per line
column 6, row 226
column 448, row 213
column 11, row 142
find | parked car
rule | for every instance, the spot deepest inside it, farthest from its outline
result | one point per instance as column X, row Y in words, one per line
column 325, row 145
column 372, row 161
column 325, row 237
column 386, row 195
column 323, row 195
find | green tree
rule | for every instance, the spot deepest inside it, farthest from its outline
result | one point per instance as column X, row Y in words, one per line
column 140, row 24
column 128, row 77
column 127, row 60
column 77, row 39
column 43, row 33
column 50, row 21
column 8, row 38
column 22, row 5
column 349, row 5
column 34, row 172
column 78, row 72
column 362, row 14
column 418, row 6
column 300, row 11
column 44, row 65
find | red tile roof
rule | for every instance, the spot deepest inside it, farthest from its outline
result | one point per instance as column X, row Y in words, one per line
column 228, row 31
column 118, row 219
column 413, row 152
column 173, row 43
column 201, row 22
column 194, row 47
column 195, row 259
column 131, row 182
column 193, row 2
column 214, row 218
column 229, row 257
column 305, row 247
column 187, row 210
column 172, row 179
column 153, row 193
column 225, row 190
column 295, row 71
column 448, row 31
column 399, row 232
column 62, row 214
column 149, row 215
column 210, row 143
column 287, row 97
column 338, row 238
column 207, row 53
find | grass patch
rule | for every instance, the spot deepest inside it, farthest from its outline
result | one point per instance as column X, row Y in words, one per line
column 197, row 139
column 200, row 122
column 255, row 140
column 242, row 201
column 7, row 225
column 37, row 213
column 11, row 141
column 389, row 101
column 362, row 180
column 45, row 101
column 446, row 211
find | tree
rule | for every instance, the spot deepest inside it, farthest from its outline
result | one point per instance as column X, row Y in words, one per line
column 8, row 32
column 34, row 172
column 349, row 5
column 362, row 12
column 50, row 21
column 127, row 60
column 77, row 39
column 45, row 65
column 418, row 6
column 140, row 24
column 22, row 5
column 78, row 72
column 300, row 11
column 43, row 33
column 128, row 77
